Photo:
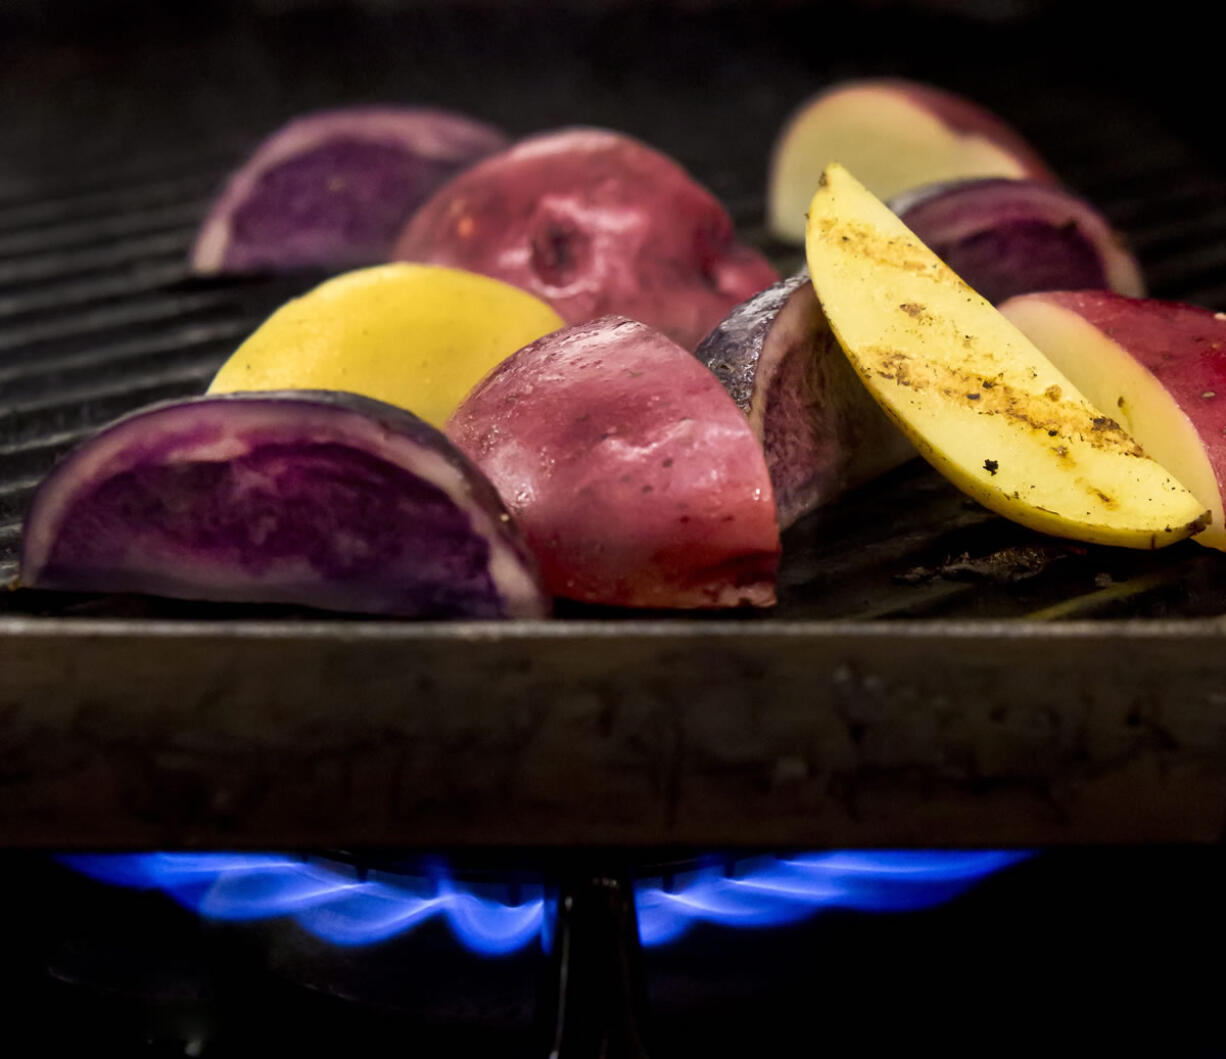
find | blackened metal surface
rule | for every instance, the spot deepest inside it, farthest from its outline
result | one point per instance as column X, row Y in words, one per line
column 715, row 735
column 136, row 721
column 596, row 1003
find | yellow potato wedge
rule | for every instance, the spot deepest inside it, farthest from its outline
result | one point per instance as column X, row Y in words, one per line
column 978, row 400
column 417, row 336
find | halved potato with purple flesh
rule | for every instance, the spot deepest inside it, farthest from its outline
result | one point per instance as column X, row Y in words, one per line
column 333, row 189
column 821, row 430
column 895, row 135
column 634, row 476
column 1007, row 237
column 594, row 223
column 305, row 497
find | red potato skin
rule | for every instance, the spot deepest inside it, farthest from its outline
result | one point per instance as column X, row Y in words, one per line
column 964, row 116
column 633, row 475
column 1182, row 346
column 594, row 223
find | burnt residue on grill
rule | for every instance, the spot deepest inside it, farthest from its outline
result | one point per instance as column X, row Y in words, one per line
column 1007, row 566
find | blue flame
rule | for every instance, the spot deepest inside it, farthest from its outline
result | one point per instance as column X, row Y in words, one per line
column 340, row 906
column 773, row 892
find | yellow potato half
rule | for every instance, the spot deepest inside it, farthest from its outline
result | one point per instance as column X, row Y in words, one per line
column 979, row 401
column 417, row 336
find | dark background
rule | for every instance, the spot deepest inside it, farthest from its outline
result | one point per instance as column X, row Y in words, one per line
column 92, row 86
column 119, row 120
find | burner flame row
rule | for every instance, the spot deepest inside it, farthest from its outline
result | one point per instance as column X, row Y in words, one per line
column 341, row 907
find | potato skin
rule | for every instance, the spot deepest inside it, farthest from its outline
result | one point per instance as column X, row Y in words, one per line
column 416, row 336
column 633, row 475
column 313, row 498
column 1171, row 397
column 980, row 402
column 332, row 189
column 821, row 430
column 1011, row 237
column 894, row 135
column 965, row 116
column 594, row 223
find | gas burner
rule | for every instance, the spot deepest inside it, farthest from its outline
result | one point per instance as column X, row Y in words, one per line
column 587, row 925
column 1047, row 947
column 335, row 902
column 346, row 904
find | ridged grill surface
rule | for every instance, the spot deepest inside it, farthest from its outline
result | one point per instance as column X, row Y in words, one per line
column 100, row 314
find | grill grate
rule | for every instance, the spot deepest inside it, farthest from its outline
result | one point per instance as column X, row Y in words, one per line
column 99, row 314
column 823, row 723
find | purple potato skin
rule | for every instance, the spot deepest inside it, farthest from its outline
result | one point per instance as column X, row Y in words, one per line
column 1009, row 237
column 314, row 498
column 820, row 428
column 333, row 189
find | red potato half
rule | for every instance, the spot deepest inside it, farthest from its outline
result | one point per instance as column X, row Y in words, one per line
column 894, row 135
column 1158, row 367
column 1008, row 237
column 594, row 223
column 304, row 497
column 634, row 476
column 333, row 189
column 820, row 428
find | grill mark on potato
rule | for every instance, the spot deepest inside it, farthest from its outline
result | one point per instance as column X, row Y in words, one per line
column 1108, row 502
column 863, row 241
column 1056, row 417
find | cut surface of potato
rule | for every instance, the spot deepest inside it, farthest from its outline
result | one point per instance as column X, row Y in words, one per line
column 416, row 336
column 319, row 499
column 332, row 189
column 1007, row 237
column 895, row 135
column 979, row 401
column 1160, row 367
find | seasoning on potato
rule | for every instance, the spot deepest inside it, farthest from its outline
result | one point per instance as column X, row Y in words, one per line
column 979, row 401
column 1158, row 367
column 821, row 430
column 1007, row 237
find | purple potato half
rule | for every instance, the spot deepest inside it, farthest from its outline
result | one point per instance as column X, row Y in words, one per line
column 333, row 189
column 1008, row 237
column 305, row 497
column 820, row 428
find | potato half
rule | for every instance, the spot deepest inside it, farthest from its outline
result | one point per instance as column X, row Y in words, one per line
column 979, row 401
